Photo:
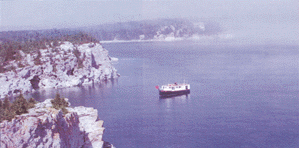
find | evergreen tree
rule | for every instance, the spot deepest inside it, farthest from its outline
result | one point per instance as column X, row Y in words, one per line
column 32, row 100
column 1, row 114
column 20, row 105
column 31, row 103
column 8, row 114
column 6, row 103
column 59, row 103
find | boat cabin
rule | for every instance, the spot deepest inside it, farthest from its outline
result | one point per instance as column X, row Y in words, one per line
column 174, row 88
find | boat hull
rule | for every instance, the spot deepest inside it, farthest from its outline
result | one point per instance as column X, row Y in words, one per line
column 174, row 93
column 173, row 96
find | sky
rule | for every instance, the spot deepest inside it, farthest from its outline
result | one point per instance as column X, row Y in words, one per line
column 254, row 15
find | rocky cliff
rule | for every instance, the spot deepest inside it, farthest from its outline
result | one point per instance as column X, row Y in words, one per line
column 45, row 126
column 64, row 65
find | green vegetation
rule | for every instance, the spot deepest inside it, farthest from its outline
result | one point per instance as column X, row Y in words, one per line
column 20, row 106
column 60, row 103
column 31, row 102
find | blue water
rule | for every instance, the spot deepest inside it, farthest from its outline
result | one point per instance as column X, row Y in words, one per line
column 241, row 96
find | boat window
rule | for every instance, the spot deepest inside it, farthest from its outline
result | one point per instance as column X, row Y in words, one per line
column 179, row 86
column 172, row 88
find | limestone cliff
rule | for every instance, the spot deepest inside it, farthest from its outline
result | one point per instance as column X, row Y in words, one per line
column 61, row 66
column 45, row 126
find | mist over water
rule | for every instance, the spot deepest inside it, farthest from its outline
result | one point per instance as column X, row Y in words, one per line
column 244, row 22
column 244, row 79
column 265, row 33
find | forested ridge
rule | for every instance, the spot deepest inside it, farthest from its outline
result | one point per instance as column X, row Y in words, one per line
column 31, row 41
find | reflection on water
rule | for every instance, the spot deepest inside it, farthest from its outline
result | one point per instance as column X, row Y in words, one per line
column 174, row 96
column 170, row 101
column 76, row 94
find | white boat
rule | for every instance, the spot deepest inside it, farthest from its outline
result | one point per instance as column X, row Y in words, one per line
column 174, row 89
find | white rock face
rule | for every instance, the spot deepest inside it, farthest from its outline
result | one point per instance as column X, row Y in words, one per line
column 45, row 127
column 114, row 59
column 59, row 67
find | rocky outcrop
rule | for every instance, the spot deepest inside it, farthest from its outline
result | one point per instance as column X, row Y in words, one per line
column 61, row 66
column 45, row 126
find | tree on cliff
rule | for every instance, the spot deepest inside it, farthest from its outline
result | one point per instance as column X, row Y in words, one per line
column 60, row 103
column 31, row 103
column 1, row 111
column 6, row 103
column 20, row 105
column 6, row 113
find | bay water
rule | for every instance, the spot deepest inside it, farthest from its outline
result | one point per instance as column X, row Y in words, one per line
column 241, row 95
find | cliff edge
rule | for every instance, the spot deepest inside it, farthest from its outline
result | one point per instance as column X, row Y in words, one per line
column 45, row 126
column 64, row 65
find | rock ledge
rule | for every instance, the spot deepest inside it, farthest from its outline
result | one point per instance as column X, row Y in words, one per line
column 45, row 126
column 62, row 66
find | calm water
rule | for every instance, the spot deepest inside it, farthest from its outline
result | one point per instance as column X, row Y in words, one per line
column 241, row 96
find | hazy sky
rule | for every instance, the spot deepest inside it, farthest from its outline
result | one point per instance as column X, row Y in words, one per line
column 282, row 15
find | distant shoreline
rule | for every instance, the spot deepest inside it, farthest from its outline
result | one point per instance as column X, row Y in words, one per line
column 151, row 40
column 220, row 38
column 173, row 39
column 131, row 41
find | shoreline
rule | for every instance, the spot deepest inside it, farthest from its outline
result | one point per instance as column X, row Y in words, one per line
column 213, row 39
column 170, row 39
column 58, row 69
